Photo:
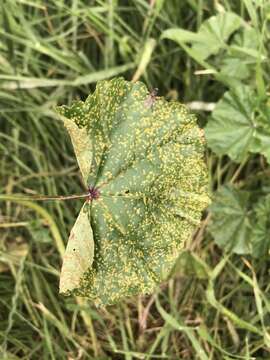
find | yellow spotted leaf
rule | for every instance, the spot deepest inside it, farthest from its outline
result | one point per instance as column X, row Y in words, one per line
column 147, row 184
column 80, row 140
column 79, row 252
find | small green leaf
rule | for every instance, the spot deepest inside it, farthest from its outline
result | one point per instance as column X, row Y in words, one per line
column 239, row 125
column 79, row 252
column 216, row 31
column 242, row 55
column 182, row 36
column 230, row 224
column 151, row 186
column 211, row 37
column 260, row 237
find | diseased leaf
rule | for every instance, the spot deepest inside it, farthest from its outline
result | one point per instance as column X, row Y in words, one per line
column 260, row 237
column 150, row 184
column 230, row 223
column 79, row 252
column 239, row 125
column 79, row 137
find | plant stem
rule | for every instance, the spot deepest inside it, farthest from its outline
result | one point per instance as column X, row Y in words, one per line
column 48, row 198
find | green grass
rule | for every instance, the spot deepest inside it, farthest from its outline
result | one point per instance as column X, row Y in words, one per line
column 214, row 306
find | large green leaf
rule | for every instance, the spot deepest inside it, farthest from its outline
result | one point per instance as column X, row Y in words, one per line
column 149, row 170
column 230, row 223
column 239, row 125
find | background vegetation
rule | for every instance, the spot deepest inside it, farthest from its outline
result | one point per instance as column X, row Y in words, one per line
column 216, row 305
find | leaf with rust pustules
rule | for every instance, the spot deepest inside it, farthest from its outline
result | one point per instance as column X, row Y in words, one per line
column 79, row 252
column 148, row 183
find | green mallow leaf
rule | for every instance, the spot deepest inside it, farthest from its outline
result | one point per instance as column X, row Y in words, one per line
column 216, row 31
column 225, row 45
column 241, row 223
column 147, row 188
column 230, row 222
column 239, row 125
column 211, row 37
column 261, row 228
column 242, row 55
